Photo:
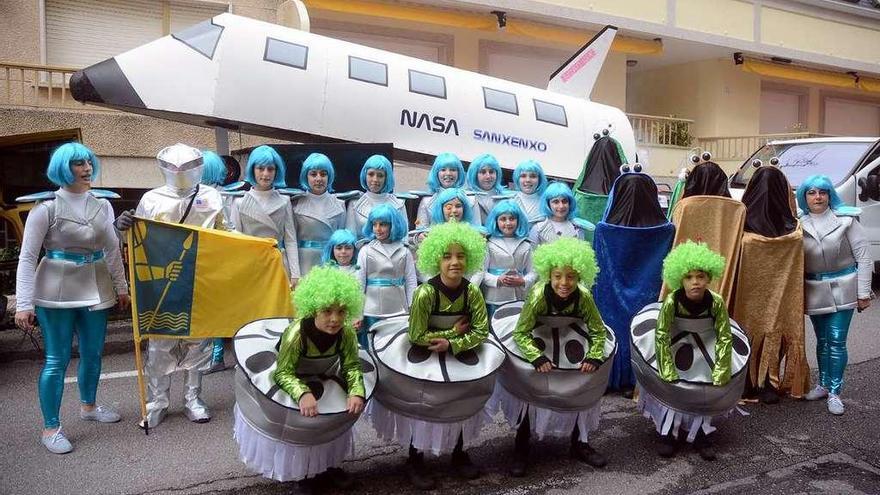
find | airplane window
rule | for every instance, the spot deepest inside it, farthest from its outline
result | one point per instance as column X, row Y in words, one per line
column 427, row 84
column 202, row 37
column 500, row 100
column 368, row 71
column 286, row 53
column 550, row 113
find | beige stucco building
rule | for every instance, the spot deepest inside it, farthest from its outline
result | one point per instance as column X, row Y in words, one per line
column 722, row 75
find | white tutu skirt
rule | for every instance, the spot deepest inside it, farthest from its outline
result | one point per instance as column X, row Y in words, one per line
column 426, row 436
column 284, row 461
column 669, row 421
column 544, row 422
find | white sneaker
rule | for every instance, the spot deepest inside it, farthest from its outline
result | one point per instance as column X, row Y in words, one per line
column 57, row 443
column 835, row 405
column 817, row 393
column 101, row 414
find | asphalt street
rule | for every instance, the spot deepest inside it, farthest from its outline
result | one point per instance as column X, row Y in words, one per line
column 791, row 448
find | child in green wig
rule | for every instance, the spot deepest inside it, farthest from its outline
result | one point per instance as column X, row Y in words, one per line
column 566, row 269
column 687, row 270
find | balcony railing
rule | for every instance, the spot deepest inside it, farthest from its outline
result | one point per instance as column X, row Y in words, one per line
column 38, row 86
column 738, row 148
column 652, row 130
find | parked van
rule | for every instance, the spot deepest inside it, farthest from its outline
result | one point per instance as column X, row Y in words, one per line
column 852, row 163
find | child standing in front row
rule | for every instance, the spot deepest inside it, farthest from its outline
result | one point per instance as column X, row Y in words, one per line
column 340, row 251
column 386, row 269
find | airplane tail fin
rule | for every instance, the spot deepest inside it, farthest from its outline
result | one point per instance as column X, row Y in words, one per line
column 578, row 74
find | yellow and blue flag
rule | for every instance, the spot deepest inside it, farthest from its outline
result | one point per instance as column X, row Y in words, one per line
column 191, row 282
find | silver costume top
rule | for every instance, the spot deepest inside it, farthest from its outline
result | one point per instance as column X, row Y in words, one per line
column 505, row 254
column 269, row 214
column 387, row 273
column 485, row 202
column 423, row 217
column 82, row 254
column 837, row 264
column 530, row 205
column 316, row 218
column 168, row 204
column 359, row 210
column 549, row 230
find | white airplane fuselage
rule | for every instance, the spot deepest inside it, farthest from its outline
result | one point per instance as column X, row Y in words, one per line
column 237, row 85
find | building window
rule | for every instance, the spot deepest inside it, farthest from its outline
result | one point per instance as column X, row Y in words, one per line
column 365, row 70
column 202, row 37
column 286, row 53
column 500, row 100
column 427, row 84
column 550, row 113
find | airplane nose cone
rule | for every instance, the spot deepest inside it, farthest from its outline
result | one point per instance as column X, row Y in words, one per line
column 104, row 83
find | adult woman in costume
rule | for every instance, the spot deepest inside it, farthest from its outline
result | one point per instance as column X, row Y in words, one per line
column 770, row 288
column 72, row 288
column 317, row 213
column 377, row 180
column 837, row 279
column 630, row 242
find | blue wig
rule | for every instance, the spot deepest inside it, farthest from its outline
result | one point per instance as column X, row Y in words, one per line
column 214, row 171
column 484, row 161
column 557, row 190
column 316, row 161
column 822, row 182
column 341, row 237
column 59, row 165
column 266, row 156
column 446, row 196
column 385, row 213
column 445, row 160
column 378, row 162
column 530, row 166
column 507, row 207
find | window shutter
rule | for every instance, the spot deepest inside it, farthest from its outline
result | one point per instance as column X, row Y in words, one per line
column 184, row 15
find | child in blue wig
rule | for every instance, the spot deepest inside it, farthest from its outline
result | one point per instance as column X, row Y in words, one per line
column 340, row 251
column 557, row 205
column 387, row 269
column 484, row 177
column 377, row 181
column 447, row 172
column 317, row 213
column 529, row 181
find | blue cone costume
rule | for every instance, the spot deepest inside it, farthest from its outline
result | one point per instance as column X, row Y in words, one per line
column 630, row 243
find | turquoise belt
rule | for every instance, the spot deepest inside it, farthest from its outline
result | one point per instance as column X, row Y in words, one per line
column 386, row 282
column 826, row 275
column 502, row 271
column 312, row 244
column 78, row 258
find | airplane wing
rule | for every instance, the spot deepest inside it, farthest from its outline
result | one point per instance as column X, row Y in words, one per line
column 578, row 74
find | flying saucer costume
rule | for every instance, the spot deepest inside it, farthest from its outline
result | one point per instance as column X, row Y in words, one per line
column 359, row 209
column 268, row 213
column 630, row 242
column 443, row 161
column 506, row 255
column 485, row 198
column 316, row 215
column 770, row 285
column 530, row 204
column 565, row 332
column 549, row 229
column 434, row 401
column 274, row 438
column 706, row 213
column 600, row 171
column 181, row 200
column 75, row 283
column 838, row 273
column 690, row 359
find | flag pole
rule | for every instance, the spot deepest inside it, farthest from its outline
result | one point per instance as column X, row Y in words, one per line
column 135, row 328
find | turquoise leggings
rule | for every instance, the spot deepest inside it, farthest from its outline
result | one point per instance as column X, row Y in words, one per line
column 58, row 326
column 831, row 330
column 217, row 351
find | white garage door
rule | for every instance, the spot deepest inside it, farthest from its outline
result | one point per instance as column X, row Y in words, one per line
column 851, row 118
column 780, row 112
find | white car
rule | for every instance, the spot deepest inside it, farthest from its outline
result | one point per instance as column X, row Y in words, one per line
column 852, row 164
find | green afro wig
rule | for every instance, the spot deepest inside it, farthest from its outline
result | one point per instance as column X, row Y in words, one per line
column 570, row 252
column 441, row 236
column 691, row 256
column 325, row 286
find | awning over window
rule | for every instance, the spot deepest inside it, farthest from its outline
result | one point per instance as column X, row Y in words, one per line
column 482, row 22
column 813, row 76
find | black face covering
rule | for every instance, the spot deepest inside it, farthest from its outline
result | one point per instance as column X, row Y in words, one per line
column 768, row 212
column 635, row 202
column 602, row 167
column 706, row 179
